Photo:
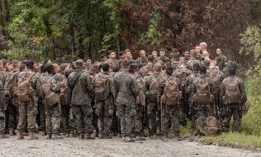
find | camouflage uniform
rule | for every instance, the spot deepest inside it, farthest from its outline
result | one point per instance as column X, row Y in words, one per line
column 41, row 108
column 141, row 60
column 232, row 109
column 3, row 104
column 126, row 93
column 52, row 112
column 202, row 110
column 80, row 93
column 28, row 110
column 138, row 119
column 216, row 88
column 65, row 108
column 104, row 109
column 153, row 108
column 169, row 112
column 182, row 74
column 190, row 79
column 11, row 99
column 191, row 62
column 221, row 60
column 164, row 59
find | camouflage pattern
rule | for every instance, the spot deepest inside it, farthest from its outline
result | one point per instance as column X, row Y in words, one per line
column 141, row 60
column 41, row 107
column 221, row 60
column 105, row 109
column 80, row 93
column 126, row 93
column 52, row 113
column 202, row 110
column 138, row 119
column 153, row 108
column 169, row 113
column 3, row 104
column 229, row 110
column 11, row 99
column 28, row 110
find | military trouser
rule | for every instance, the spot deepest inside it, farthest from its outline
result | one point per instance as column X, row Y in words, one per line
column 12, row 116
column 104, row 110
column 170, row 112
column 235, row 111
column 27, row 113
column 217, row 103
column 138, row 119
column 53, row 117
column 83, row 118
column 65, row 112
column 126, row 115
column 205, row 110
column 41, row 112
column 152, row 112
column 2, row 121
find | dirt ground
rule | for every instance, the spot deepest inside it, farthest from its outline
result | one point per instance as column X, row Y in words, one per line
column 74, row 147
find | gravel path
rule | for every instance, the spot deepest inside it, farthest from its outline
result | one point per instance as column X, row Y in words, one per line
column 73, row 147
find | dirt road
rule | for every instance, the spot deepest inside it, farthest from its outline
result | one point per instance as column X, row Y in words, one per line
column 114, row 148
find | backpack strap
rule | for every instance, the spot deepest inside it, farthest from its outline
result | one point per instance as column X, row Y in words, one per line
column 77, row 79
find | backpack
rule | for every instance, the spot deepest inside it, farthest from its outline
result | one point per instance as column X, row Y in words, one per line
column 232, row 92
column 211, row 126
column 50, row 97
column 215, row 77
column 203, row 95
column 101, row 88
column 153, row 91
column 23, row 89
column 13, row 83
column 141, row 98
column 171, row 93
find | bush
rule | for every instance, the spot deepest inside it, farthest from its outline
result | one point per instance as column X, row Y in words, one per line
column 251, row 122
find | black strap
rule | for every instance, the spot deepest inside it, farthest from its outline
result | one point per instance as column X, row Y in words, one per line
column 77, row 79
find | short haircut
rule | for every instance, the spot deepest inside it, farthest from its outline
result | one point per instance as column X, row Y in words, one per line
column 203, row 69
column 232, row 70
column 15, row 63
column 157, row 67
column 169, row 70
column 133, row 67
column 68, row 72
column 43, row 69
column 150, row 58
column 49, row 68
column 105, row 67
column 163, row 49
column 196, row 67
column 125, row 64
column 29, row 63
column 64, row 65
column 46, row 61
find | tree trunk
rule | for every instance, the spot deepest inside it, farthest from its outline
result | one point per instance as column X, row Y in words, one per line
column 7, row 12
column 2, row 24
column 71, row 27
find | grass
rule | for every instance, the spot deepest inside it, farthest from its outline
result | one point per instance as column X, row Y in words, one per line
column 234, row 140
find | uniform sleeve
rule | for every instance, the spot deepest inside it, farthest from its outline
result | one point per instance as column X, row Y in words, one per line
column 161, row 86
column 134, row 87
column 242, row 90
column 89, row 85
column 55, row 86
column 112, row 87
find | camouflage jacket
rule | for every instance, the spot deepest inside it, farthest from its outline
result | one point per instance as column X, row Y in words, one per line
column 80, row 91
column 55, row 86
column 126, row 88
column 35, row 82
column 191, row 62
column 111, row 82
column 221, row 60
column 240, row 84
column 143, row 61
column 200, row 76
column 148, row 81
column 3, row 104
column 182, row 74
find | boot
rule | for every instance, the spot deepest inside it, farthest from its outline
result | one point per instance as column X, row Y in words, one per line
column 20, row 136
column 11, row 132
column 32, row 136
column 90, row 136
column 44, row 133
column 100, row 136
column 3, row 136
column 49, row 136
column 129, row 139
column 123, row 139
column 57, row 136
column 81, row 136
